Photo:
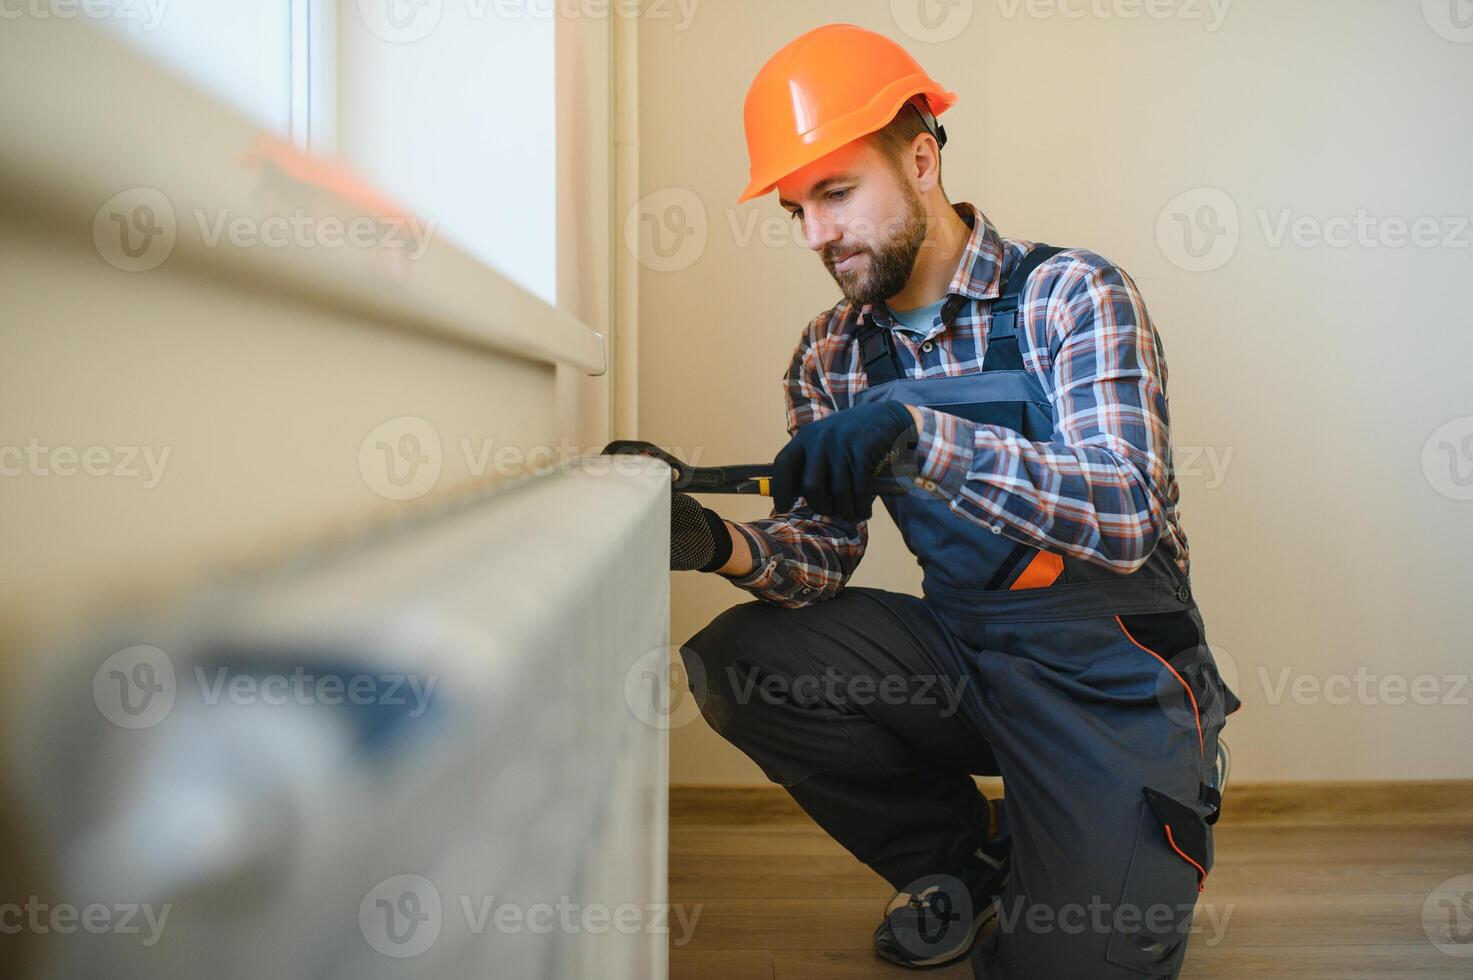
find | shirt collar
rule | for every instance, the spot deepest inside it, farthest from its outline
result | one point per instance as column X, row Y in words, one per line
column 978, row 274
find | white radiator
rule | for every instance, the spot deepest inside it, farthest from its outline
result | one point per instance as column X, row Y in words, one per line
column 432, row 754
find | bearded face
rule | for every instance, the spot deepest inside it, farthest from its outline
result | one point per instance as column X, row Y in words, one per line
column 872, row 271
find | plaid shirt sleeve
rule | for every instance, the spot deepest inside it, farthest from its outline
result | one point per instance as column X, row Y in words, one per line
column 802, row 557
column 1097, row 490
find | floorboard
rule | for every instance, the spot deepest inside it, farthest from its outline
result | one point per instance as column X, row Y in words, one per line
column 1299, row 889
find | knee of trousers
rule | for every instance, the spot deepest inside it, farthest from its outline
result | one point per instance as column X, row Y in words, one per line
column 1031, row 950
column 1095, row 917
column 728, row 657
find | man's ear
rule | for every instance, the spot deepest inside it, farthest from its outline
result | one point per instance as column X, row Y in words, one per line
column 925, row 162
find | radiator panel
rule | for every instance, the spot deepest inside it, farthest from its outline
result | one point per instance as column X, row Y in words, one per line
column 509, row 799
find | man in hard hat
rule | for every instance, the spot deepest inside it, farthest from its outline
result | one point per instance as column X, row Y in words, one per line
column 1015, row 395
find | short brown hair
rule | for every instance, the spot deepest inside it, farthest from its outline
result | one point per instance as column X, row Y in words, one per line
column 895, row 138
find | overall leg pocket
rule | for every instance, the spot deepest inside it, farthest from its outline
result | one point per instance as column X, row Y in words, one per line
column 1173, row 854
column 1189, row 689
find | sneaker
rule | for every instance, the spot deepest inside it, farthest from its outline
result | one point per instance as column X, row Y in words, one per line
column 936, row 919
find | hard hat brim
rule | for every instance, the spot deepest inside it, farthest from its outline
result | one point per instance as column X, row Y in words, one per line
column 823, row 140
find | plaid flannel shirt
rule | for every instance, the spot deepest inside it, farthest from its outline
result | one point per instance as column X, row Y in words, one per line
column 1103, row 490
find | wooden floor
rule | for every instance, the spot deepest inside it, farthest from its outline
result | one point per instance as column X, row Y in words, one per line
column 1321, row 882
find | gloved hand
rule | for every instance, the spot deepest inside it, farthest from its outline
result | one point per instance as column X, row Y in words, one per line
column 699, row 540
column 831, row 463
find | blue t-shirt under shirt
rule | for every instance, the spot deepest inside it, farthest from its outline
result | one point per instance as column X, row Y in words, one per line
column 919, row 320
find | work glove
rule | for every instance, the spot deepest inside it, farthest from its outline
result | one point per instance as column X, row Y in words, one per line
column 833, row 463
column 699, row 540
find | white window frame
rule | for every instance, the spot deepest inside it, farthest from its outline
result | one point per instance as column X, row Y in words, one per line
column 314, row 75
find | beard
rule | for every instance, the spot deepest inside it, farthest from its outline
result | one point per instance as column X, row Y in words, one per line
column 887, row 265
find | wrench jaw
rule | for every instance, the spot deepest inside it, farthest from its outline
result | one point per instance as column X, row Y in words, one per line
column 695, row 479
column 752, row 478
column 680, row 473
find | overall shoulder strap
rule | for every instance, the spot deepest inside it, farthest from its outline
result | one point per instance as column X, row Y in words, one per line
column 1002, row 334
column 877, row 352
column 877, row 344
column 1003, row 354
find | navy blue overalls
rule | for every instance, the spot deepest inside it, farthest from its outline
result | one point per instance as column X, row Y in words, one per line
column 1097, row 691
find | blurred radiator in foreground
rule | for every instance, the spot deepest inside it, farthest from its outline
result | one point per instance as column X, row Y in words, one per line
column 438, row 753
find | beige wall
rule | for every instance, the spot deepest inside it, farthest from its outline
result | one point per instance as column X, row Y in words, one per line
column 1306, row 379
column 258, row 380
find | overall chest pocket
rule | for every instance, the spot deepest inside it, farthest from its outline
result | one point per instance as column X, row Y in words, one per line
column 1009, row 415
column 1031, row 420
column 1012, row 399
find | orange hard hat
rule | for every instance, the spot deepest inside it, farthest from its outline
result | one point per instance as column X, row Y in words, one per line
column 824, row 89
